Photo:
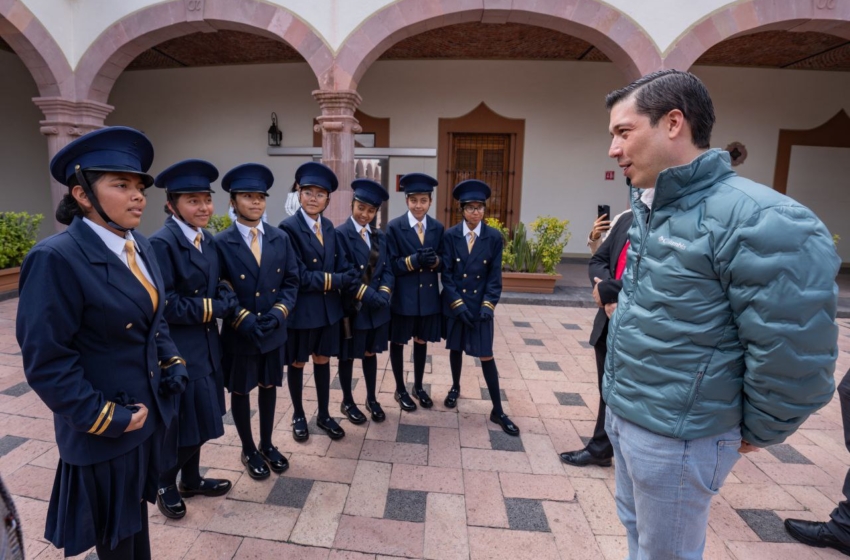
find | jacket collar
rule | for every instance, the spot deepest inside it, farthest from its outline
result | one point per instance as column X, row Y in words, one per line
column 704, row 171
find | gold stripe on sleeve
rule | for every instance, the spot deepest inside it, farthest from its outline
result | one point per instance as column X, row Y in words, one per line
column 456, row 303
column 488, row 304
column 282, row 308
column 108, row 420
column 386, row 289
column 100, row 416
column 240, row 318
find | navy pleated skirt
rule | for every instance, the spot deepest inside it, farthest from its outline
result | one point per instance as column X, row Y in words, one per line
column 242, row 373
column 99, row 503
column 374, row 341
column 201, row 410
column 301, row 344
column 477, row 341
column 405, row 327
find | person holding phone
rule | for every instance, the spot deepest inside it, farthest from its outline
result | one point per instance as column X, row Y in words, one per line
column 97, row 350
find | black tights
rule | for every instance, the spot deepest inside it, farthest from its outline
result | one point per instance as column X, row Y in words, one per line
column 420, row 355
column 240, row 408
column 491, row 377
column 370, row 375
column 188, row 464
column 136, row 547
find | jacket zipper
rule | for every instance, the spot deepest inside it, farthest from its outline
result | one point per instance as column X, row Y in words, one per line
column 645, row 227
column 691, row 400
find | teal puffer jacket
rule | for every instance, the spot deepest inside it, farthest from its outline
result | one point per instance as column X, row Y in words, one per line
column 727, row 313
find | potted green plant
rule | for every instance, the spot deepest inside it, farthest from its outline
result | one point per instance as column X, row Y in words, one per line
column 18, row 234
column 529, row 263
column 218, row 223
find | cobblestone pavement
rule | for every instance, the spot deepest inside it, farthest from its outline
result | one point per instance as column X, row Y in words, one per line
column 440, row 483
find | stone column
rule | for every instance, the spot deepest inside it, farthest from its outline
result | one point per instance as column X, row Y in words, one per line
column 64, row 121
column 338, row 127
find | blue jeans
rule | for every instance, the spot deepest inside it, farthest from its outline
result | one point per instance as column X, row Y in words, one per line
column 665, row 486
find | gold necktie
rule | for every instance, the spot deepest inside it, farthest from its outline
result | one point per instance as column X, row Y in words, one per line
column 318, row 233
column 198, row 238
column 255, row 244
column 420, row 232
column 137, row 272
column 363, row 235
column 471, row 241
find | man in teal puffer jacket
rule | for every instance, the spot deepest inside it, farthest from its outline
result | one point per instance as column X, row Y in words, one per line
column 724, row 337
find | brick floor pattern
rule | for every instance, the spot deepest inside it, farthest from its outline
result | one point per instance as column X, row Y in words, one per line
column 443, row 484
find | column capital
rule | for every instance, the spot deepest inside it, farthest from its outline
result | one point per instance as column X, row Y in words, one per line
column 343, row 100
column 64, row 117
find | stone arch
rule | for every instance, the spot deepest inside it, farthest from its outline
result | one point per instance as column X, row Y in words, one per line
column 125, row 39
column 611, row 31
column 38, row 50
column 825, row 16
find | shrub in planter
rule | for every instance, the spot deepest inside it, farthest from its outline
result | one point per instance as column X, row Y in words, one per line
column 551, row 236
column 18, row 234
column 521, row 254
column 219, row 223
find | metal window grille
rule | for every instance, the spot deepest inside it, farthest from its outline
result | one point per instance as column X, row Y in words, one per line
column 485, row 157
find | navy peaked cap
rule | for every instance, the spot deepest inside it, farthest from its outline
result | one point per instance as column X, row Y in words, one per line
column 471, row 190
column 247, row 178
column 188, row 176
column 369, row 191
column 415, row 183
column 315, row 174
column 112, row 149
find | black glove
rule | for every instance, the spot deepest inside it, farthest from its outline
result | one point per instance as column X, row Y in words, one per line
column 246, row 326
column 268, row 323
column 257, row 335
column 373, row 299
column 465, row 317
column 486, row 314
column 352, row 277
column 386, row 297
column 430, row 259
column 174, row 380
column 224, row 305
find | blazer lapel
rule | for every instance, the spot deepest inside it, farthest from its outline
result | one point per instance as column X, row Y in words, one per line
column 461, row 247
column 243, row 253
column 480, row 242
column 361, row 250
column 328, row 237
column 152, row 265
column 431, row 233
column 269, row 252
column 412, row 235
column 311, row 235
column 197, row 258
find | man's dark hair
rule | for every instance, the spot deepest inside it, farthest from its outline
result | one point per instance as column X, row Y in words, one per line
column 659, row 93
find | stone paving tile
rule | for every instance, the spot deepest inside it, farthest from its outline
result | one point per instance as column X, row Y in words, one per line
column 349, row 555
column 319, row 519
column 213, row 546
column 485, row 504
column 597, row 503
column 492, row 460
column 368, row 493
column 21, row 388
column 787, row 454
column 446, row 536
column 392, row 452
column 485, row 394
column 548, row 366
column 727, row 524
column 327, row 469
column 533, row 342
column 500, row 441
column 526, row 515
column 412, row 434
column 248, row 519
column 759, row 496
column 380, row 536
column 572, row 533
column 487, row 543
column 613, row 548
column 290, row 492
column 444, row 448
column 570, row 399
column 9, row 443
column 257, row 549
column 473, row 431
column 427, row 479
column 766, row 524
column 537, row 487
column 406, row 505
column 773, row 551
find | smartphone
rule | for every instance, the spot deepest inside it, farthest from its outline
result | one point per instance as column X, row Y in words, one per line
column 603, row 210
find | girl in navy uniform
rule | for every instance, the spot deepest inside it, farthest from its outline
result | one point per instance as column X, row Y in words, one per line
column 193, row 301
column 314, row 328
column 366, row 304
column 414, row 242
column 259, row 263
column 97, row 350
column 472, row 286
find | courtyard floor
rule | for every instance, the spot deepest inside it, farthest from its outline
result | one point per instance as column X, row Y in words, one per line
column 444, row 484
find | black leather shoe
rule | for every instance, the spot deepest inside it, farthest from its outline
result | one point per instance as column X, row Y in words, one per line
column 170, row 503
column 815, row 533
column 404, row 401
column 507, row 426
column 331, row 428
column 208, row 487
column 352, row 413
column 255, row 466
column 377, row 412
column 299, row 429
column 583, row 458
column 423, row 398
column 275, row 459
column 451, row 398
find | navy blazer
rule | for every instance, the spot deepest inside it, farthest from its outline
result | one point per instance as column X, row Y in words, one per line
column 417, row 291
column 357, row 253
column 320, row 265
column 190, row 278
column 270, row 287
column 87, row 332
column 475, row 279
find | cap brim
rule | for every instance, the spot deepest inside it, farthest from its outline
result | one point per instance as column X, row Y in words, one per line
column 147, row 180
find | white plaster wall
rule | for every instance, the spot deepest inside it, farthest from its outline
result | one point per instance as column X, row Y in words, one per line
column 25, row 181
column 820, row 179
column 75, row 24
column 222, row 114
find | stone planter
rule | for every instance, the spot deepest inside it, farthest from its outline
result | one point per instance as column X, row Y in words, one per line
column 528, row 283
column 9, row 280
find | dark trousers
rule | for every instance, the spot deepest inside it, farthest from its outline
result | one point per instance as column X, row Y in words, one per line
column 840, row 522
column 599, row 445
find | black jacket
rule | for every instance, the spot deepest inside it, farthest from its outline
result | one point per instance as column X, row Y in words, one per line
column 603, row 264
